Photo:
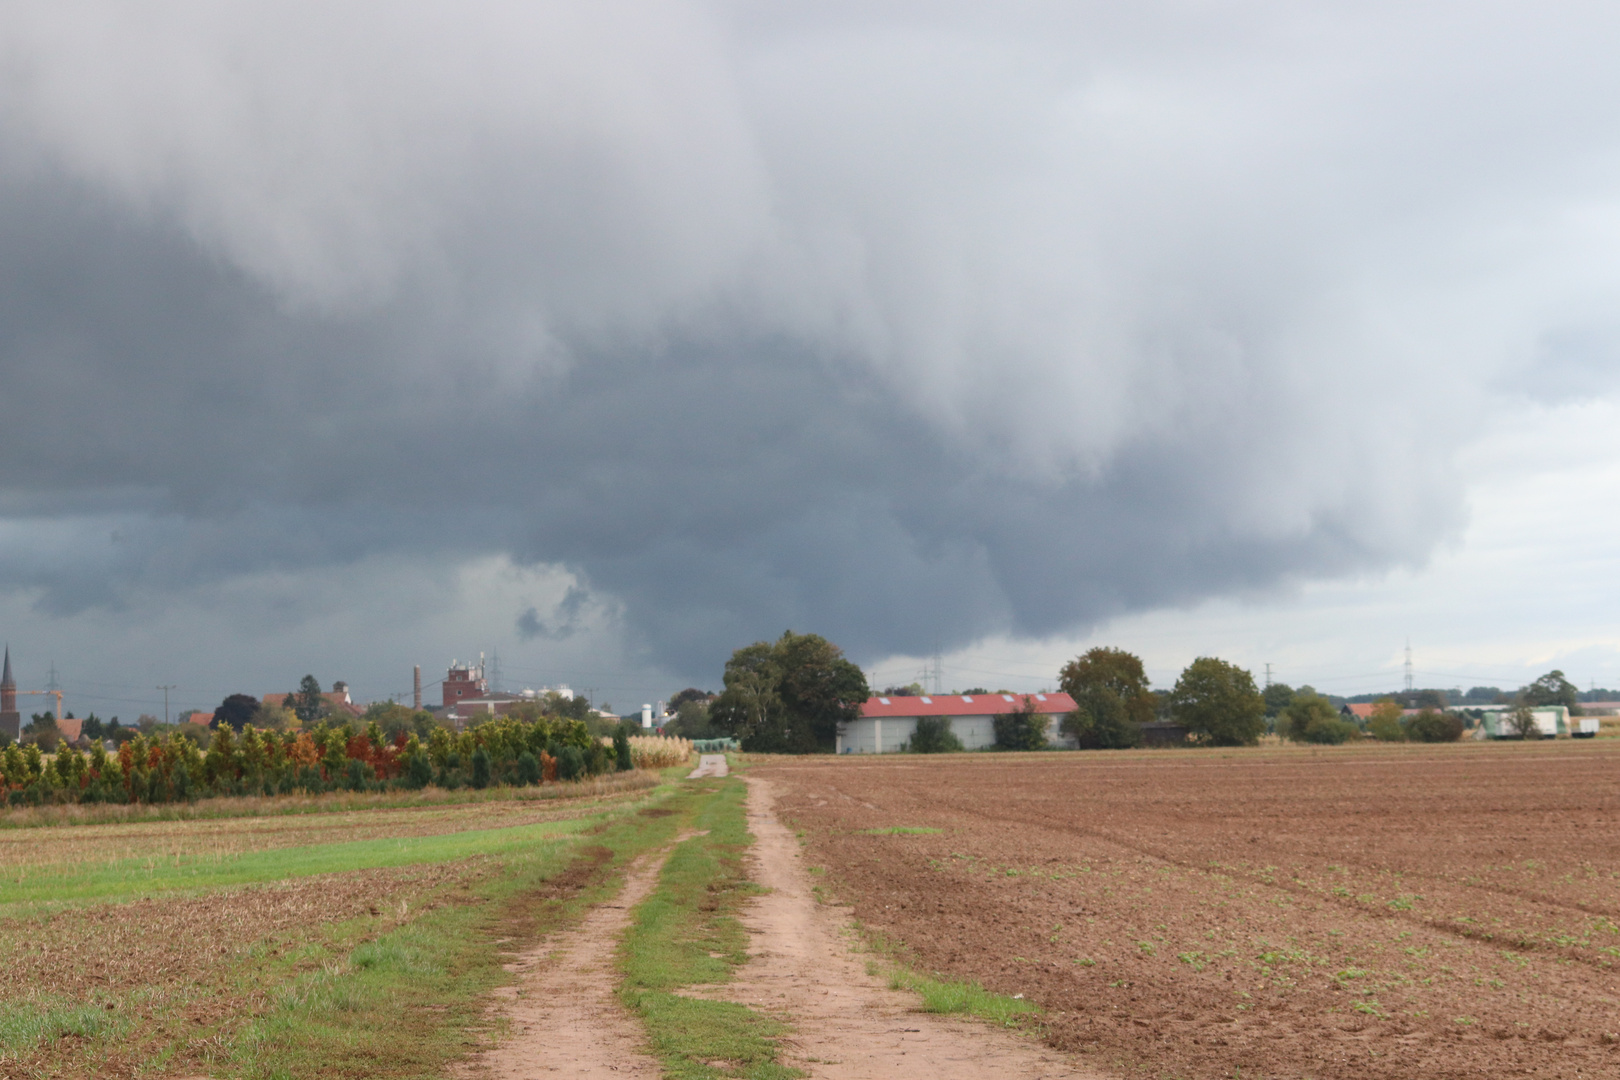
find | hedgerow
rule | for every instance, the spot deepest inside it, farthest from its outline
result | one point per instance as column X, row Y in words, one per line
column 328, row 757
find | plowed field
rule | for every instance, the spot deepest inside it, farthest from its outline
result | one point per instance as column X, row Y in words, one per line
column 1395, row 912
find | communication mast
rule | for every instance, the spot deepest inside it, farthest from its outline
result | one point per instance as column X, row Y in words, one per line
column 1408, row 665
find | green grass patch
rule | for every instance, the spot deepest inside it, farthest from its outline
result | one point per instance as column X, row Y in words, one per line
column 902, row 830
column 941, row 995
column 29, row 1023
column 968, row 998
column 129, row 878
column 686, row 934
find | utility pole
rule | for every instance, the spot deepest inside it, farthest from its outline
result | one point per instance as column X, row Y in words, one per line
column 166, row 690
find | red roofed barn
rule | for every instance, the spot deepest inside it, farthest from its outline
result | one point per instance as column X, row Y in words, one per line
column 886, row 723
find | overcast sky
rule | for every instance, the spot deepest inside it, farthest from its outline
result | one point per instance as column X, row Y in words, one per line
column 337, row 338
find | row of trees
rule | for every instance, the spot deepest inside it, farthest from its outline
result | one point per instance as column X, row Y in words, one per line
column 168, row 767
column 1216, row 702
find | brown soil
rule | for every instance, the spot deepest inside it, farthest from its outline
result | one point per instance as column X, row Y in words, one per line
column 565, row 1018
column 1353, row 912
column 145, row 944
column 846, row 1023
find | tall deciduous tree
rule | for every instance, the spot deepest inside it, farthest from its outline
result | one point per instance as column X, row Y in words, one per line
column 235, row 711
column 1218, row 702
column 790, row 695
column 1278, row 697
column 1111, row 696
column 1552, row 689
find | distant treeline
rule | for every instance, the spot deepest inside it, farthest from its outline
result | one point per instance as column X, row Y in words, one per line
column 1476, row 695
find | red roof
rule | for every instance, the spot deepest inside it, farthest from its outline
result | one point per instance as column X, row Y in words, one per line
column 70, row 727
column 1363, row 710
column 337, row 699
column 964, row 705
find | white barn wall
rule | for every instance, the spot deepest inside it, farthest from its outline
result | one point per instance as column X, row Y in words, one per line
column 976, row 732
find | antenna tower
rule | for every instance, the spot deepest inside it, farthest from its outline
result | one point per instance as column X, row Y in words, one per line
column 1408, row 665
column 1268, row 676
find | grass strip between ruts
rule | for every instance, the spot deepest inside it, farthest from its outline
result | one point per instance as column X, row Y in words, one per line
column 686, row 934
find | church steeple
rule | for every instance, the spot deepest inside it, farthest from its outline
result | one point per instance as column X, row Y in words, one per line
column 10, row 719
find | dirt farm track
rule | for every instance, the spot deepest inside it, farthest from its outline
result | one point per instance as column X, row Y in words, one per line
column 1390, row 911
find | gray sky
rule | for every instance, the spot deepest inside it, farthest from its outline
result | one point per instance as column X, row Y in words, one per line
column 342, row 337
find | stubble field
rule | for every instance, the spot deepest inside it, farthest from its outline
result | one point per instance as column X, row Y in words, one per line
column 1449, row 911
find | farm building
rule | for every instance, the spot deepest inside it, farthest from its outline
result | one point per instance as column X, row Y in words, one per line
column 886, row 723
column 1552, row 720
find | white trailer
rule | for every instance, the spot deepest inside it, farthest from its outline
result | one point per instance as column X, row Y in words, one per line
column 1585, row 727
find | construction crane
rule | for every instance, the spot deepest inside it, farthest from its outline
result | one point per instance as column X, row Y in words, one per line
column 57, row 694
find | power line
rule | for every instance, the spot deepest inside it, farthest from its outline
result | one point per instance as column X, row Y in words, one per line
column 166, row 688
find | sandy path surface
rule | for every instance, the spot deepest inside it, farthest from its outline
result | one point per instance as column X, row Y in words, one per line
column 847, row 1024
column 566, row 1019
column 709, row 765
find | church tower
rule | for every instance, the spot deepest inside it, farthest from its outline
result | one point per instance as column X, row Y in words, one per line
column 10, row 718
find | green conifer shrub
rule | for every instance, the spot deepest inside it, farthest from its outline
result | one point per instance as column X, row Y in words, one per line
column 570, row 763
column 421, row 770
column 528, row 769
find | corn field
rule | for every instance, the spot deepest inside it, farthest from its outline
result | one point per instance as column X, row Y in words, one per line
column 659, row 751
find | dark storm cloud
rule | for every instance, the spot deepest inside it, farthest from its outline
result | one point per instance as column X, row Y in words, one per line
column 907, row 329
